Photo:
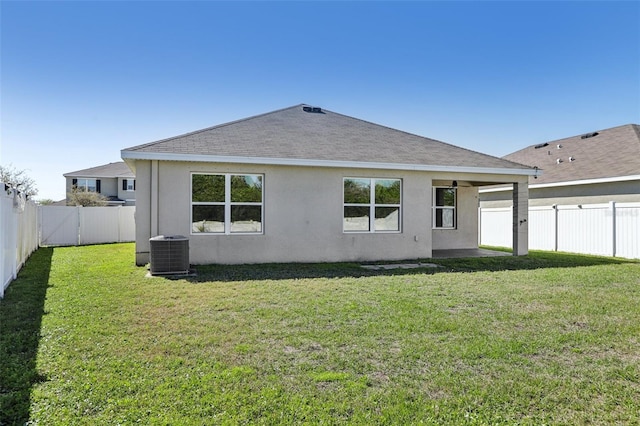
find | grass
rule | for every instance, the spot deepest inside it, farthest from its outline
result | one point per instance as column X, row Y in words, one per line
column 545, row 339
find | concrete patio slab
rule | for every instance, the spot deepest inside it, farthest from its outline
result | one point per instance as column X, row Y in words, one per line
column 400, row 266
column 459, row 253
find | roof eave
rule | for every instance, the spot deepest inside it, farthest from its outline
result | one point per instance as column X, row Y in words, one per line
column 571, row 183
column 131, row 162
column 98, row 176
column 130, row 156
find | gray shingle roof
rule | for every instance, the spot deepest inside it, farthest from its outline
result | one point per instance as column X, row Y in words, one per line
column 611, row 153
column 295, row 134
column 111, row 170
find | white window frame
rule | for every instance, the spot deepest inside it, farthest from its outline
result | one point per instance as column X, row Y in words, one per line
column 453, row 208
column 130, row 185
column 85, row 185
column 227, row 203
column 372, row 207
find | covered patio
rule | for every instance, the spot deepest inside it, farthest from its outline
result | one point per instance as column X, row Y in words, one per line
column 439, row 254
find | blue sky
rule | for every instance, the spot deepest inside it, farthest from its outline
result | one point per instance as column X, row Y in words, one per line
column 82, row 80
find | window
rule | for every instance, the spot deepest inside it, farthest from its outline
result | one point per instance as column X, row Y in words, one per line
column 89, row 185
column 226, row 204
column 371, row 205
column 128, row 184
column 444, row 208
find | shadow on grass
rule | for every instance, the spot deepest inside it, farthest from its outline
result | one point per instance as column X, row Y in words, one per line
column 280, row 271
column 21, row 313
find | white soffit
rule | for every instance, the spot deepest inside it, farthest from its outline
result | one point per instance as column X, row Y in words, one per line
column 131, row 155
column 569, row 183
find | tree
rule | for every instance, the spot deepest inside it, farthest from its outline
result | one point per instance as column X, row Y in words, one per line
column 80, row 197
column 18, row 179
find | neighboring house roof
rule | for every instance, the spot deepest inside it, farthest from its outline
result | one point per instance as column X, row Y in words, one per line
column 112, row 170
column 310, row 136
column 612, row 154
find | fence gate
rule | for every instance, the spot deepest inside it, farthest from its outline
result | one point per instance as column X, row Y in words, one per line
column 59, row 226
column 69, row 226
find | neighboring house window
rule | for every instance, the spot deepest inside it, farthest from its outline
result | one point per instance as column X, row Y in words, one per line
column 444, row 208
column 371, row 205
column 89, row 185
column 128, row 184
column 226, row 203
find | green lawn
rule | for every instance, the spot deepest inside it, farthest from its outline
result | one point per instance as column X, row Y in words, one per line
column 550, row 338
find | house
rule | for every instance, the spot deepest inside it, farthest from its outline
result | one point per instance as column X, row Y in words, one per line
column 304, row 184
column 591, row 168
column 115, row 181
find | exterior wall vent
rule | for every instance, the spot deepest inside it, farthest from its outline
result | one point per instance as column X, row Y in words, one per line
column 589, row 135
column 317, row 110
column 169, row 255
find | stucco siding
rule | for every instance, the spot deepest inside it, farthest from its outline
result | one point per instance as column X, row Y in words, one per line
column 302, row 215
column 68, row 185
column 143, row 211
column 108, row 186
column 128, row 196
column 303, row 210
column 466, row 233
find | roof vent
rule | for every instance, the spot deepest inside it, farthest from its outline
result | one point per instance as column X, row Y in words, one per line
column 559, row 160
column 312, row 109
column 589, row 135
column 572, row 159
column 542, row 145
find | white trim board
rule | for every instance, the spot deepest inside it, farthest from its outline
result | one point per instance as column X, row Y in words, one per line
column 567, row 183
column 130, row 155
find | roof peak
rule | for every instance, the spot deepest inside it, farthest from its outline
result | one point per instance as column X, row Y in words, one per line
column 605, row 153
column 591, row 132
column 313, row 135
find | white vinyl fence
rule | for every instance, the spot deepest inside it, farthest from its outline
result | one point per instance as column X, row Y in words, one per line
column 18, row 233
column 68, row 226
column 611, row 229
column 24, row 227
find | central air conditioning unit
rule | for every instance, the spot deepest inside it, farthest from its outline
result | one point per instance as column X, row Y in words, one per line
column 169, row 255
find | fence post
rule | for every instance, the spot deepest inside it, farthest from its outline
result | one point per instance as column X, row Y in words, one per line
column 14, row 242
column 79, row 211
column 3, row 243
column 555, row 227
column 39, row 231
column 119, row 224
column 612, row 210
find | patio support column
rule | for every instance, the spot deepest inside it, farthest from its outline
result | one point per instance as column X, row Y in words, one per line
column 520, row 218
